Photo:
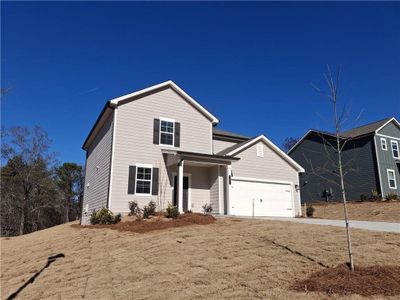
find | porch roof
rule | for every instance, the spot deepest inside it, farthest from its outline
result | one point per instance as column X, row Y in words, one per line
column 175, row 156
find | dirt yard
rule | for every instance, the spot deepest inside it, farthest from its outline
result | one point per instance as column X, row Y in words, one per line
column 230, row 258
column 384, row 211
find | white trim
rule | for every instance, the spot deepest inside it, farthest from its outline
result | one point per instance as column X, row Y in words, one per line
column 173, row 132
column 261, row 180
column 212, row 140
column 388, row 136
column 112, row 156
column 219, row 189
column 394, row 177
column 390, row 120
column 189, row 175
column 177, row 89
column 146, row 166
column 384, row 142
column 397, row 148
column 379, row 168
column 273, row 146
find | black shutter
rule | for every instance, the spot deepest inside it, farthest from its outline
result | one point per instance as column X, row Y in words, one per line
column 177, row 137
column 156, row 132
column 132, row 180
column 154, row 188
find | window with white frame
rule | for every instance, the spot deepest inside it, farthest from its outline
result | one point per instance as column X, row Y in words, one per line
column 392, row 179
column 395, row 149
column 260, row 150
column 143, row 180
column 166, row 132
column 383, row 144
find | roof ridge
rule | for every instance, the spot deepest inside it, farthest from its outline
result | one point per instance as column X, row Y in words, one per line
column 368, row 124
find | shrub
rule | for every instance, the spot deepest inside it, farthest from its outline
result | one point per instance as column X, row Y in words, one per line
column 310, row 211
column 149, row 210
column 134, row 208
column 172, row 211
column 207, row 208
column 375, row 195
column 391, row 196
column 104, row 216
column 363, row 197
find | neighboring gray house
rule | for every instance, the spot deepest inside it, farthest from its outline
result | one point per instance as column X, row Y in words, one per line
column 371, row 159
column 160, row 144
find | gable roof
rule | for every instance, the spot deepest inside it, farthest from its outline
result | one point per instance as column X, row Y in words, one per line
column 354, row 133
column 111, row 104
column 224, row 133
column 367, row 129
column 167, row 84
column 236, row 149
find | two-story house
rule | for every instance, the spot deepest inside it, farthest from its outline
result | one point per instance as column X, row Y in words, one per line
column 371, row 161
column 159, row 144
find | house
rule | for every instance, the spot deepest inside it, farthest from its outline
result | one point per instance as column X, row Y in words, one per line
column 159, row 144
column 371, row 160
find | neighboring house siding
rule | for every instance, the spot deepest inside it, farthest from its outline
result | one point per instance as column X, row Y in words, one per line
column 320, row 162
column 221, row 145
column 270, row 167
column 97, row 173
column 386, row 160
column 134, row 141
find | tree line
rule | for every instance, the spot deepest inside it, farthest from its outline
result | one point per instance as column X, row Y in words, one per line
column 37, row 192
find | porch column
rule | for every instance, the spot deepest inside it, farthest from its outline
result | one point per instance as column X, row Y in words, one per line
column 227, row 189
column 180, row 186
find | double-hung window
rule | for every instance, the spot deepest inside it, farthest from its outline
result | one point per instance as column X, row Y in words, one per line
column 383, row 144
column 392, row 179
column 395, row 149
column 143, row 180
column 167, row 132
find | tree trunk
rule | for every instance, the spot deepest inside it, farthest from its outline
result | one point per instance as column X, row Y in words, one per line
column 22, row 223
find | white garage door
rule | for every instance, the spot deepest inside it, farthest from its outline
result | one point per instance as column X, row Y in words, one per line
column 260, row 198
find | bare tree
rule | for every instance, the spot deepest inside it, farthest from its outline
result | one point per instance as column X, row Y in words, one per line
column 337, row 144
column 289, row 142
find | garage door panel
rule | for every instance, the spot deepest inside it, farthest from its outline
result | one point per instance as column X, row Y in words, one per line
column 270, row 199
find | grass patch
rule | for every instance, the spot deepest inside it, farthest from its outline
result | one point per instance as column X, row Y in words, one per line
column 156, row 223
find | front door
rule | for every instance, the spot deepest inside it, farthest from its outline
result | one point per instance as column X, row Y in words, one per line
column 185, row 192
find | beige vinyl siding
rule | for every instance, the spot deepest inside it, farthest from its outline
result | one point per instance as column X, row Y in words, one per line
column 214, row 189
column 270, row 167
column 221, row 145
column 97, row 173
column 134, row 141
column 199, row 186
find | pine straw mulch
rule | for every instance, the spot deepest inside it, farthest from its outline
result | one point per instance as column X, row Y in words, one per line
column 365, row 281
column 156, row 223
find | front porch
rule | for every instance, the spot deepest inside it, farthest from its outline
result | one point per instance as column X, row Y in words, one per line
column 198, row 179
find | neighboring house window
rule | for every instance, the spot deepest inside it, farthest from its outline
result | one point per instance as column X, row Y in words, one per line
column 392, row 179
column 383, row 144
column 167, row 132
column 143, row 180
column 260, row 150
column 395, row 149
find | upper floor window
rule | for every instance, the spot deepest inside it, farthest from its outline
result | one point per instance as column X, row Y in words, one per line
column 392, row 179
column 383, row 144
column 143, row 180
column 395, row 149
column 167, row 132
column 260, row 150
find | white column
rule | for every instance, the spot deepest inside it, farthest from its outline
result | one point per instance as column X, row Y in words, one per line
column 180, row 186
column 228, row 187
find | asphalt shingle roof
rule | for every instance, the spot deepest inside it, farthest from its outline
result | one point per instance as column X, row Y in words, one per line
column 218, row 131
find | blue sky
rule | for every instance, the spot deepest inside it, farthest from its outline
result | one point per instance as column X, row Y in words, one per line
column 250, row 64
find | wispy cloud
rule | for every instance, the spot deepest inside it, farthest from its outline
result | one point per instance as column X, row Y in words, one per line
column 86, row 91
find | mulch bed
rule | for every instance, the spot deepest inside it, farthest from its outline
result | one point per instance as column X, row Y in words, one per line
column 365, row 281
column 156, row 223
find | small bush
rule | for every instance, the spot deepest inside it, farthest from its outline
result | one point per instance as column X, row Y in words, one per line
column 310, row 211
column 172, row 211
column 207, row 208
column 104, row 216
column 363, row 197
column 149, row 210
column 375, row 195
column 134, row 208
column 391, row 196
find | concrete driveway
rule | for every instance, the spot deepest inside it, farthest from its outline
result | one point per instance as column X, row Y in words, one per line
column 368, row 225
